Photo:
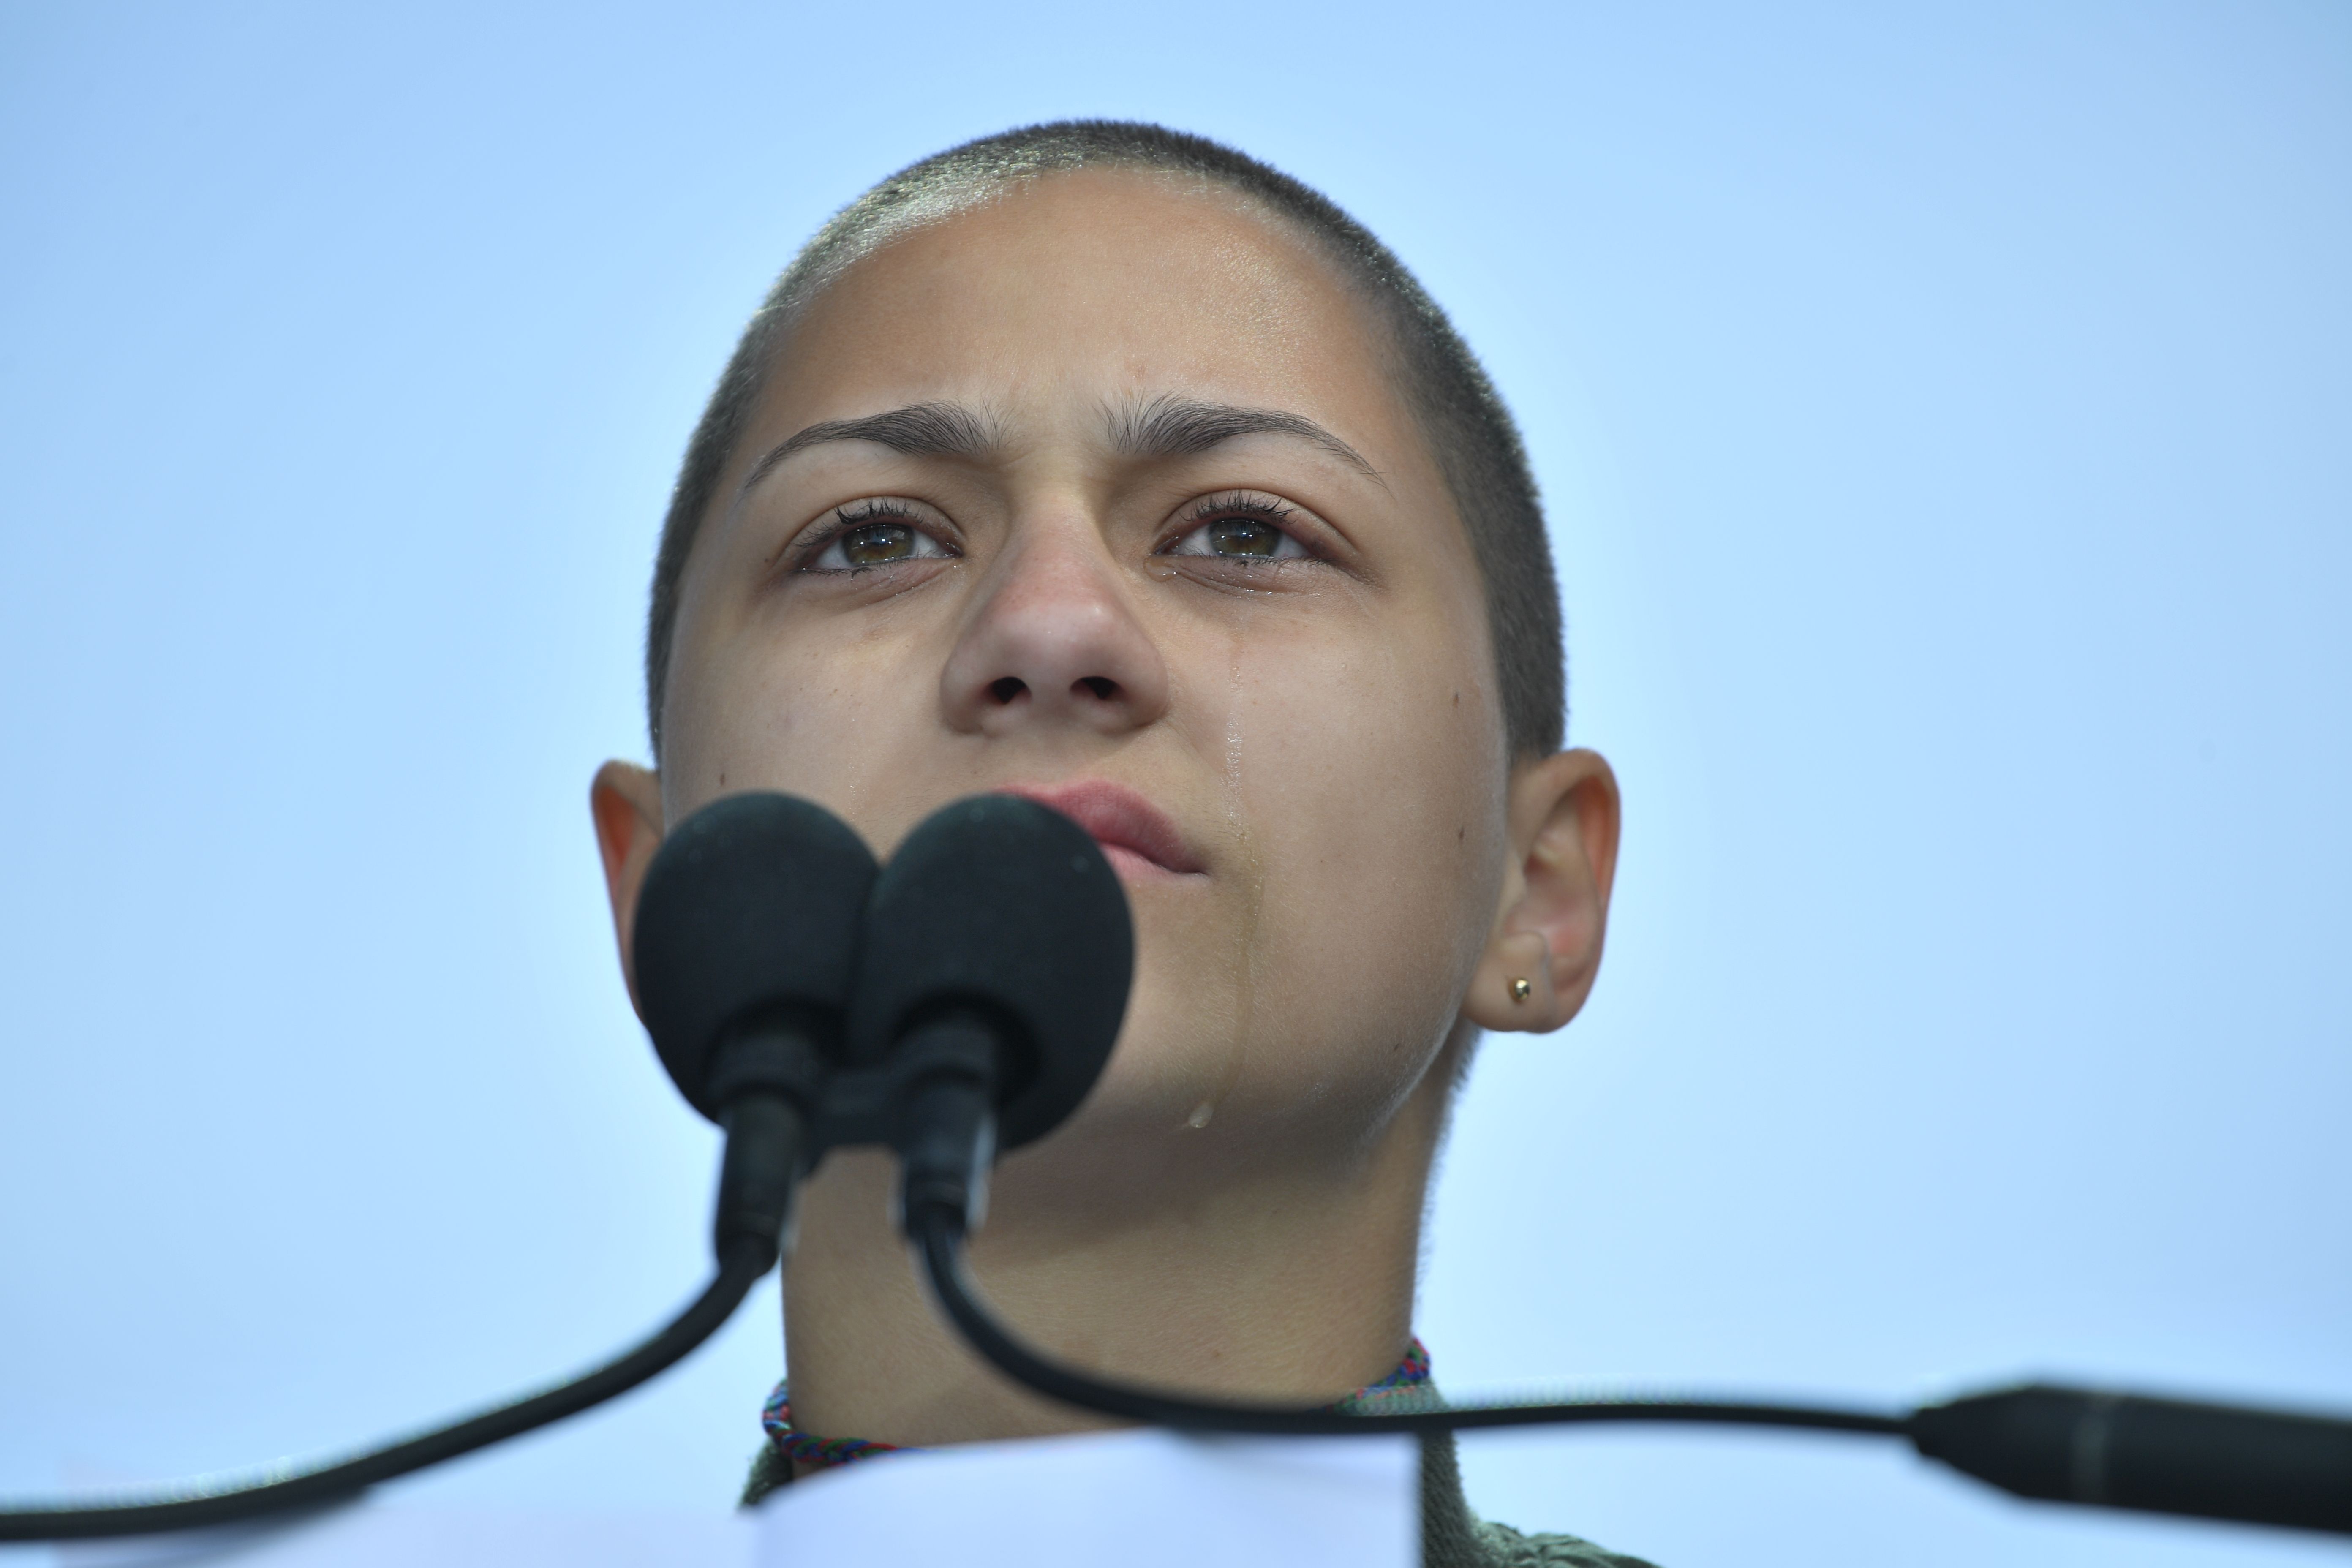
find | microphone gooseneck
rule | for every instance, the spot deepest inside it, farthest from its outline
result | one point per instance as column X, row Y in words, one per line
column 998, row 958
column 211, row 1502
column 744, row 952
column 2061, row 1445
column 938, row 1244
column 985, row 984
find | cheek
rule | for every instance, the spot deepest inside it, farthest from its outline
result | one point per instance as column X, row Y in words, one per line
column 783, row 710
column 1375, row 791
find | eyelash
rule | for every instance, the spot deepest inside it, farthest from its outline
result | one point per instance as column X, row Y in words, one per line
column 856, row 515
column 1237, row 504
column 1209, row 508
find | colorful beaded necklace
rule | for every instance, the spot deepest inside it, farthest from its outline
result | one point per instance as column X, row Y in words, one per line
column 824, row 1453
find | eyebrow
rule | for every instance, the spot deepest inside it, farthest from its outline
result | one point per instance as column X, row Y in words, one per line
column 918, row 430
column 1171, row 426
column 1166, row 426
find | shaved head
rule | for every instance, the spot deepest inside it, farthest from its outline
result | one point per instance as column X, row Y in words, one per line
column 1469, row 433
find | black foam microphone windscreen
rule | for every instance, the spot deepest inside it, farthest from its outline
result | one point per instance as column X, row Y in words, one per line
column 749, row 915
column 1002, row 908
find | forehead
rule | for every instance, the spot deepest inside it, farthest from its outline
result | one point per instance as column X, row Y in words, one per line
column 1093, row 289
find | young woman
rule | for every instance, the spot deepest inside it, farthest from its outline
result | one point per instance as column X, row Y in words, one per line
column 1106, row 466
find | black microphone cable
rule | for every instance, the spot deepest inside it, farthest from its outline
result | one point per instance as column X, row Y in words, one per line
column 338, row 1480
column 2058, row 1445
column 936, row 1232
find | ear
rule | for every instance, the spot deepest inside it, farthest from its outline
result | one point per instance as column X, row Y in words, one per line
column 625, row 801
column 1555, row 901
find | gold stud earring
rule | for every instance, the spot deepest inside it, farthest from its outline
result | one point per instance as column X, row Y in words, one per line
column 1521, row 990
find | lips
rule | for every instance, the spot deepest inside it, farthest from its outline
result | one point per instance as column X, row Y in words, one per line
column 1136, row 836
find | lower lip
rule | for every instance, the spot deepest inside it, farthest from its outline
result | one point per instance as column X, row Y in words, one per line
column 1134, row 867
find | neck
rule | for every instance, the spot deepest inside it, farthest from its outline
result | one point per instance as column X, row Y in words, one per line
column 1163, row 1260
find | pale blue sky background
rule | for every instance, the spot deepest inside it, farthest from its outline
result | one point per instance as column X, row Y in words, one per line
column 1947, row 416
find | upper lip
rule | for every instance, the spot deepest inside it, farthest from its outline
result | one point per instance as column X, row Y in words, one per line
column 1114, row 814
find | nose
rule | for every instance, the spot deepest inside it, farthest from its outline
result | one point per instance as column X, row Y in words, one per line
column 1054, row 641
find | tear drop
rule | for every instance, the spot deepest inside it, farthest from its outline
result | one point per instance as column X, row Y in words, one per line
column 1199, row 1117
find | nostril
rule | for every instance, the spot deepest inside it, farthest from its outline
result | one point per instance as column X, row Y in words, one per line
column 1006, row 689
column 1101, row 686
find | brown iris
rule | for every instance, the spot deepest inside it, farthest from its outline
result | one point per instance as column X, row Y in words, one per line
column 1244, row 537
column 877, row 544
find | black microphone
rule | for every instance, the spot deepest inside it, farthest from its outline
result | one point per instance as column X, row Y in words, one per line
column 994, row 975
column 745, row 952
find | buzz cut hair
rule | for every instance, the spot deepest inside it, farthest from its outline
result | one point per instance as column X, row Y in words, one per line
column 1469, row 432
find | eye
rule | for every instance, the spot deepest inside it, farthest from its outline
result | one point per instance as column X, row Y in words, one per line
column 869, row 535
column 1244, row 529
